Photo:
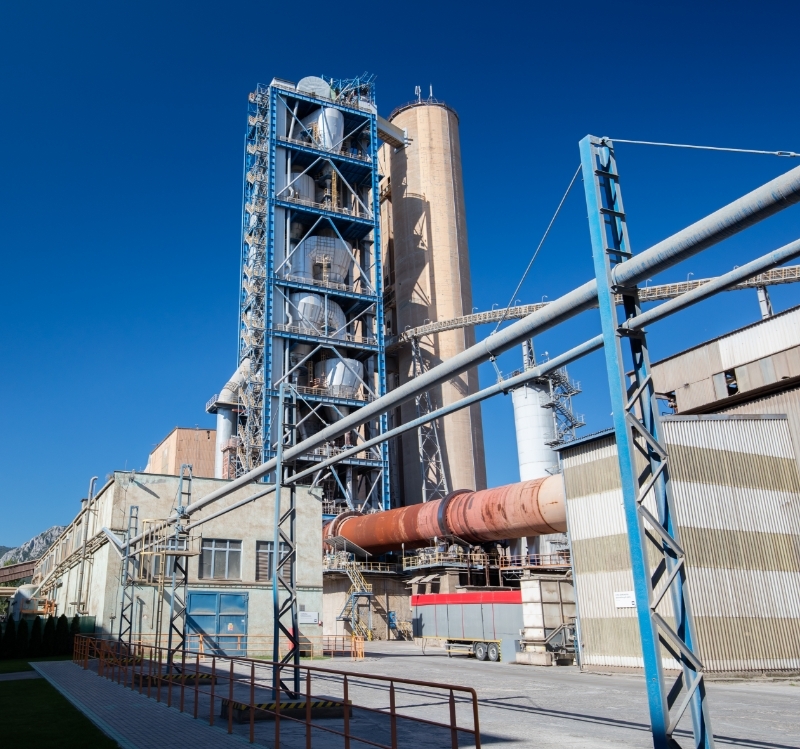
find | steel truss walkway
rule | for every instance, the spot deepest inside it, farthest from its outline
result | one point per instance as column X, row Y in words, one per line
column 774, row 277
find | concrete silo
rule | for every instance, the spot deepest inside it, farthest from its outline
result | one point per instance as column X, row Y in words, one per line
column 426, row 257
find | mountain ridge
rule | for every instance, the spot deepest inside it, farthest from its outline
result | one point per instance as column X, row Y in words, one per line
column 32, row 549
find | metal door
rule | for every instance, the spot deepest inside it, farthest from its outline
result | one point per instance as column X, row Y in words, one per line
column 216, row 623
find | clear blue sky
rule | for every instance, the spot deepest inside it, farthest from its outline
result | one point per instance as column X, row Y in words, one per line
column 121, row 147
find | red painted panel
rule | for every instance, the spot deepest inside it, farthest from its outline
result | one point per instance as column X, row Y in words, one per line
column 500, row 596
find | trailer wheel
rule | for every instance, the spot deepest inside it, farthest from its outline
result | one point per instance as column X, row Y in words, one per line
column 493, row 652
column 480, row 651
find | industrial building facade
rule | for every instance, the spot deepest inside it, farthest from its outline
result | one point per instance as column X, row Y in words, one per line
column 736, row 491
column 229, row 591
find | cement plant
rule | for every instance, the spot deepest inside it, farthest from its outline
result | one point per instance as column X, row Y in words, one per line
column 328, row 566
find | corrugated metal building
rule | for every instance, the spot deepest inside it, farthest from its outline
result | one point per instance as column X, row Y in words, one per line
column 737, row 497
column 750, row 362
column 785, row 402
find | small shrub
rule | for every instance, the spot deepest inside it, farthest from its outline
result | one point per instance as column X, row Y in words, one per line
column 8, row 647
column 35, row 643
column 49, row 637
column 22, row 639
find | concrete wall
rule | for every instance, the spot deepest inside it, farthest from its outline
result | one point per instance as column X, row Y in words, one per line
column 194, row 447
column 155, row 495
column 391, row 594
column 432, row 282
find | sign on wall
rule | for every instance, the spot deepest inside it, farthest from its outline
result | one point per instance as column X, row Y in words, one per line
column 624, row 599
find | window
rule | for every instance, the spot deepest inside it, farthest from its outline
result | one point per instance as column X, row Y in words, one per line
column 730, row 382
column 264, row 560
column 221, row 559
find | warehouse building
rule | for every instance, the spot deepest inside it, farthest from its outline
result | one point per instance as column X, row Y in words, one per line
column 736, row 491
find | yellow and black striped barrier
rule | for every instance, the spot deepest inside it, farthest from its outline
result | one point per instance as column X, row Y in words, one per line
column 296, row 709
column 176, row 678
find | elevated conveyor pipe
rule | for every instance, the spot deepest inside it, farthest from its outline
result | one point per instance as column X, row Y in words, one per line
column 761, row 203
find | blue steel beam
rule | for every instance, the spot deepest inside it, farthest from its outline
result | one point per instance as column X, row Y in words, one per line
column 300, row 207
column 644, row 489
column 321, row 152
column 340, row 342
column 314, row 289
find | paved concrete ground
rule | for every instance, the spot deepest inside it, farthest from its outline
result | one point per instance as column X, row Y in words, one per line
column 129, row 718
column 18, row 675
column 523, row 706
column 520, row 706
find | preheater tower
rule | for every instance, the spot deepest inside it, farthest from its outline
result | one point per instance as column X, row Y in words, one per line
column 311, row 302
column 428, row 278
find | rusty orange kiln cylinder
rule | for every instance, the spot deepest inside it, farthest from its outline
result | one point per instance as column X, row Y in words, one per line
column 530, row 508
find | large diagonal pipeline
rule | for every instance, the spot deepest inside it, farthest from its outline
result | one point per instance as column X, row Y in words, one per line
column 761, row 203
column 530, row 508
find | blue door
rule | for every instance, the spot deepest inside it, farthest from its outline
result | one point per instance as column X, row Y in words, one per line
column 216, row 623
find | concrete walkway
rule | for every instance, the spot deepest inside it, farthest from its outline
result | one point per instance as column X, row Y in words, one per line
column 130, row 719
column 20, row 675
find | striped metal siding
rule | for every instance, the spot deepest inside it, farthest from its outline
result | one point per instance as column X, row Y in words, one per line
column 761, row 339
column 737, row 496
column 786, row 403
column 761, row 354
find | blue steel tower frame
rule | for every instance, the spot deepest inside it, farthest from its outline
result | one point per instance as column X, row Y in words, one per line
column 283, row 149
column 661, row 588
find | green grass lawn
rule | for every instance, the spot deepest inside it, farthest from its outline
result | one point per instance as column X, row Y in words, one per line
column 32, row 705
column 12, row 666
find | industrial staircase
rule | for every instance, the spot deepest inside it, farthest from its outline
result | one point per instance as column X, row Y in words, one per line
column 359, row 588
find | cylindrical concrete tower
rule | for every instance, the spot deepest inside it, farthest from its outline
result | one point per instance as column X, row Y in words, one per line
column 432, row 282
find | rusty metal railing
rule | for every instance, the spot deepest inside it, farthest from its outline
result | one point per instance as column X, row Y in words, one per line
column 322, row 703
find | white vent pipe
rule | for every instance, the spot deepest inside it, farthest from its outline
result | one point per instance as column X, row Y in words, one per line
column 226, row 418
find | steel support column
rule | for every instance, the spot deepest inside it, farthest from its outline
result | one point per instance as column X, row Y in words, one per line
column 129, row 563
column 644, row 470
column 284, row 537
column 434, row 480
column 176, row 632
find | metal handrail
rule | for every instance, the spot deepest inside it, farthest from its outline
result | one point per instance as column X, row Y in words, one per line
column 443, row 558
column 326, row 207
column 146, row 668
column 349, row 337
column 559, row 559
column 334, row 151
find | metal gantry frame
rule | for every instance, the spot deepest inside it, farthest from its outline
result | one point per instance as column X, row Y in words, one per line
column 644, row 469
column 178, row 550
column 129, row 569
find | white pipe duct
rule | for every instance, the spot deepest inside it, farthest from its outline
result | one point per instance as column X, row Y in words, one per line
column 226, row 418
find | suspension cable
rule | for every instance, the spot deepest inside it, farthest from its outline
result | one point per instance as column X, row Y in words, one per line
column 786, row 154
column 536, row 252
